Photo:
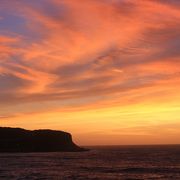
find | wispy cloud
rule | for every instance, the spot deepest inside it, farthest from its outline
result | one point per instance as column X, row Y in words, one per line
column 109, row 51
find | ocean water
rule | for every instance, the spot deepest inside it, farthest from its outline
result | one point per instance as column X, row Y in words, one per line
column 101, row 163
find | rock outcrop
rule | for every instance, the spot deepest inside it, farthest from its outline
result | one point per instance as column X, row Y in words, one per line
column 21, row 140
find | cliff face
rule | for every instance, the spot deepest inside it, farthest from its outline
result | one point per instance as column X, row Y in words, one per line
column 21, row 140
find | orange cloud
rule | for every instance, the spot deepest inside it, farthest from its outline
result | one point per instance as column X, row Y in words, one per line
column 73, row 56
column 107, row 40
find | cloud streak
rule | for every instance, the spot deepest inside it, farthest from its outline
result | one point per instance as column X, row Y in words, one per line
column 92, row 54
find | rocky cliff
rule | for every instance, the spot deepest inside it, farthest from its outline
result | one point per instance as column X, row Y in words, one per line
column 21, row 140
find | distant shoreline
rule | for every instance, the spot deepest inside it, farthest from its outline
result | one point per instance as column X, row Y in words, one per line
column 137, row 145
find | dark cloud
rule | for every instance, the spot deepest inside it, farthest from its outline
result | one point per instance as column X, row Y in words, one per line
column 11, row 83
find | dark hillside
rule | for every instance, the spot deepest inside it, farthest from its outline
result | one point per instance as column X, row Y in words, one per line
column 21, row 140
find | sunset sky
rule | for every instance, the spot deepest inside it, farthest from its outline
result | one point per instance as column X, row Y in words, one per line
column 107, row 71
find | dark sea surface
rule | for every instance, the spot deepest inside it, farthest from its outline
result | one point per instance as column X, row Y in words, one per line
column 110, row 162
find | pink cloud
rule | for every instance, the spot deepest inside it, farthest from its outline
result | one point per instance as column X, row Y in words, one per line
column 92, row 48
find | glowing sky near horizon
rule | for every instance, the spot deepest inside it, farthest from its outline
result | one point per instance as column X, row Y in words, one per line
column 108, row 71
